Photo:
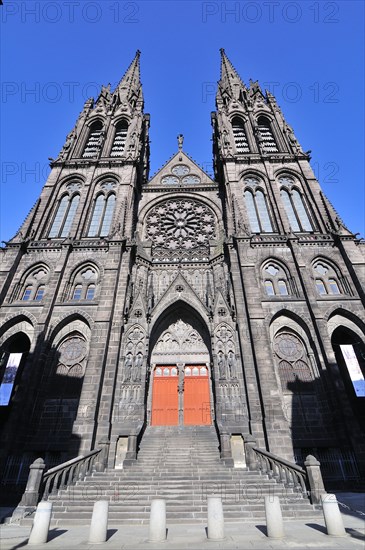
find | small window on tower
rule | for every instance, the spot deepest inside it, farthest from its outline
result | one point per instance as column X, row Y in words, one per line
column 269, row 288
column 277, row 280
column 283, row 289
column 27, row 293
column 40, row 293
column 333, row 286
column 90, row 293
column 77, row 292
column 320, row 287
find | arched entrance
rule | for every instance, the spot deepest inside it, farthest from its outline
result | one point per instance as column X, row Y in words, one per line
column 180, row 373
column 349, row 351
column 12, row 360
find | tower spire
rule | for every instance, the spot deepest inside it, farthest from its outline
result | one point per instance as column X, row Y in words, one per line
column 130, row 84
column 230, row 82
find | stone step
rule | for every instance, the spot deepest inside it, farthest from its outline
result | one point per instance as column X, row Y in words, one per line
column 171, row 502
column 182, row 465
column 177, row 516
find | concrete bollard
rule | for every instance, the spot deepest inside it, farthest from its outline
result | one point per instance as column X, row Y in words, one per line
column 332, row 516
column 274, row 519
column 99, row 522
column 157, row 520
column 41, row 522
column 215, row 518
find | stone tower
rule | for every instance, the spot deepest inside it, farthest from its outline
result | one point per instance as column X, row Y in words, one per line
column 182, row 299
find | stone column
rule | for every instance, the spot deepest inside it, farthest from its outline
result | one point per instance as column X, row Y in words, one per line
column 41, row 522
column 315, row 479
column 132, row 447
column 215, row 518
column 31, row 494
column 274, row 518
column 332, row 516
column 225, row 445
column 180, row 389
column 99, row 522
column 157, row 531
column 102, row 459
column 251, row 459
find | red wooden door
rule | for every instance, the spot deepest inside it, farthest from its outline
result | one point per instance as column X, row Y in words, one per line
column 165, row 397
column 196, row 396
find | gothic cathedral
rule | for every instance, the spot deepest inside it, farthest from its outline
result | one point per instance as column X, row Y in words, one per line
column 235, row 301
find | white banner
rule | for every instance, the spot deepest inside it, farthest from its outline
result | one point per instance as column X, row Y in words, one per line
column 356, row 375
column 9, row 377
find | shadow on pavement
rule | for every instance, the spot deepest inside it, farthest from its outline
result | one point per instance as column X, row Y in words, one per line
column 262, row 528
column 317, row 527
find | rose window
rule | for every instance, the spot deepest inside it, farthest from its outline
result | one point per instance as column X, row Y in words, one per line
column 180, row 230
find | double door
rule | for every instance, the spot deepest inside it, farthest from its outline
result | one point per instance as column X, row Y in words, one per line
column 180, row 397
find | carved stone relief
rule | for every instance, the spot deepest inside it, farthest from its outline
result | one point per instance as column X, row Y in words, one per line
column 133, row 363
column 226, row 356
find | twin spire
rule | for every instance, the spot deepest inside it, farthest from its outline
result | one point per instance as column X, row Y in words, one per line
column 130, row 84
column 230, row 82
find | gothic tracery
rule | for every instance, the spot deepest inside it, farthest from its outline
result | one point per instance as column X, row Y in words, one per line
column 180, row 229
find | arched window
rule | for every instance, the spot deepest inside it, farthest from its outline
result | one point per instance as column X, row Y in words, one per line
column 64, row 217
column 277, row 282
column 69, row 361
column 119, row 139
column 102, row 216
column 295, row 210
column 94, row 141
column 40, row 293
column 266, row 137
column 32, row 287
column 27, row 293
column 269, row 287
column 239, row 134
column 108, row 216
column 327, row 279
column 293, row 363
column 257, row 211
column 83, row 285
column 77, row 292
column 90, row 293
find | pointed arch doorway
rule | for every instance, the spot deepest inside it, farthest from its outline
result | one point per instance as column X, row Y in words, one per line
column 180, row 367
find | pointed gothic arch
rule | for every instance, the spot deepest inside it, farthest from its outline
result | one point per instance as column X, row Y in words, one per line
column 180, row 390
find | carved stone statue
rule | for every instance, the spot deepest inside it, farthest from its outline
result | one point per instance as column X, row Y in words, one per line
column 180, row 141
column 67, row 146
column 292, row 139
column 137, row 367
column 221, row 366
column 231, row 365
column 128, row 363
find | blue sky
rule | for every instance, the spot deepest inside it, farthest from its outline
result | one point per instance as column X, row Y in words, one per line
column 55, row 54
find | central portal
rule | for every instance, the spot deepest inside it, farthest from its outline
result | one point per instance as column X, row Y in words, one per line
column 180, row 378
column 180, row 397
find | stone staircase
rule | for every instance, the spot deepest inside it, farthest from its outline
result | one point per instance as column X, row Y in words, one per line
column 183, row 466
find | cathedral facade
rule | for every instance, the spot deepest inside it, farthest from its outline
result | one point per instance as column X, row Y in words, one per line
column 182, row 299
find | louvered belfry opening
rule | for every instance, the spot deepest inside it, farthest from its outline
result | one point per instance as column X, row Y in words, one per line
column 93, row 144
column 119, row 139
column 267, row 135
column 239, row 135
